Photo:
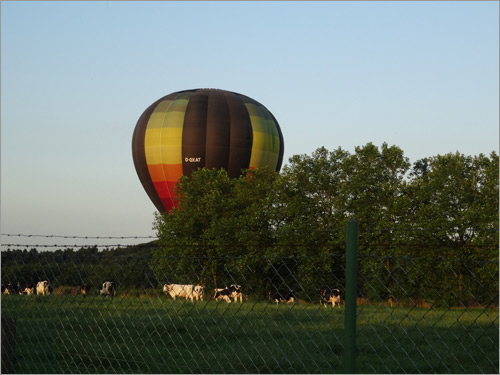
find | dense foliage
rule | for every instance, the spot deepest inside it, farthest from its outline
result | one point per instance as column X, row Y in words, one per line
column 444, row 206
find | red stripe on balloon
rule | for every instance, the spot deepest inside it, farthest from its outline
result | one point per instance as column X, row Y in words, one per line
column 166, row 193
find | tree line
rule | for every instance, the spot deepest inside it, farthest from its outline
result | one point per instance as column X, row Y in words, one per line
column 439, row 208
column 128, row 267
column 427, row 228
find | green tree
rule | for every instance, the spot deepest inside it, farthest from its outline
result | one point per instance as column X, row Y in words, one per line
column 374, row 181
column 453, row 214
column 323, row 190
column 219, row 229
column 310, row 200
column 266, row 228
column 454, row 201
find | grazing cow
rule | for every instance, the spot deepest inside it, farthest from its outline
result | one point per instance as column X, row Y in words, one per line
column 184, row 291
column 84, row 289
column 282, row 296
column 7, row 289
column 26, row 288
column 198, row 292
column 330, row 296
column 43, row 288
column 108, row 289
column 234, row 291
column 223, row 293
column 11, row 288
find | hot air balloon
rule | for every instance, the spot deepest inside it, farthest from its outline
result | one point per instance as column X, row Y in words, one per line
column 210, row 128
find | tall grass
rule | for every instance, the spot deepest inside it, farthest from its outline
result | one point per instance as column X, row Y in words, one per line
column 76, row 334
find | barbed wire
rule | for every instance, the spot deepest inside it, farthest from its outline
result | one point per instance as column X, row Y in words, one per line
column 64, row 246
column 78, row 237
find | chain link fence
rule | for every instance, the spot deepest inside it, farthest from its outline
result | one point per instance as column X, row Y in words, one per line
column 414, row 315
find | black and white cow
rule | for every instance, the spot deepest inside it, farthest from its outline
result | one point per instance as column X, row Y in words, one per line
column 43, row 288
column 108, row 289
column 187, row 291
column 7, row 288
column 236, row 292
column 278, row 296
column 84, row 289
column 222, row 293
column 26, row 288
column 233, row 291
column 330, row 296
column 198, row 292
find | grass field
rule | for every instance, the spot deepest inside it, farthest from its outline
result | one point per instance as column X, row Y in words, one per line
column 76, row 334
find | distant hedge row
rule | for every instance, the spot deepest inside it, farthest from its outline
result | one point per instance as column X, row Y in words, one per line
column 128, row 266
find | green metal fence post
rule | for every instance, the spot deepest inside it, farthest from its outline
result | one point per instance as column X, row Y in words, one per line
column 350, row 297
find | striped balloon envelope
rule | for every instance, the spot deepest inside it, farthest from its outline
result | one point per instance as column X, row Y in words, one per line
column 210, row 128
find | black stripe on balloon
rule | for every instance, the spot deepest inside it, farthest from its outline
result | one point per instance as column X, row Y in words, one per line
column 217, row 136
column 241, row 135
column 194, row 133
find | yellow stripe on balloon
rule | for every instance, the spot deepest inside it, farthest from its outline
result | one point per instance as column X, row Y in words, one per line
column 163, row 137
column 163, row 146
column 157, row 117
column 263, row 152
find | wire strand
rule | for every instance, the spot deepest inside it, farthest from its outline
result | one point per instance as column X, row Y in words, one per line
column 77, row 237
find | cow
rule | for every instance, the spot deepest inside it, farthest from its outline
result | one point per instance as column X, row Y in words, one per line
column 26, row 288
column 184, row 291
column 108, row 289
column 7, row 288
column 223, row 293
column 43, row 288
column 329, row 296
column 84, row 289
column 198, row 292
column 234, row 291
column 282, row 296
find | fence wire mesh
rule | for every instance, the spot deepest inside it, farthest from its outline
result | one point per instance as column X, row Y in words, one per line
column 427, row 315
column 415, row 315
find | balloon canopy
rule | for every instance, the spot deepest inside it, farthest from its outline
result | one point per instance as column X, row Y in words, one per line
column 210, row 128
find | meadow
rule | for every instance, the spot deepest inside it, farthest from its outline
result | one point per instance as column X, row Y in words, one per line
column 154, row 334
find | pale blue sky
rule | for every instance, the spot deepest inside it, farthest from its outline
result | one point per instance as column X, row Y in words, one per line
column 76, row 76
